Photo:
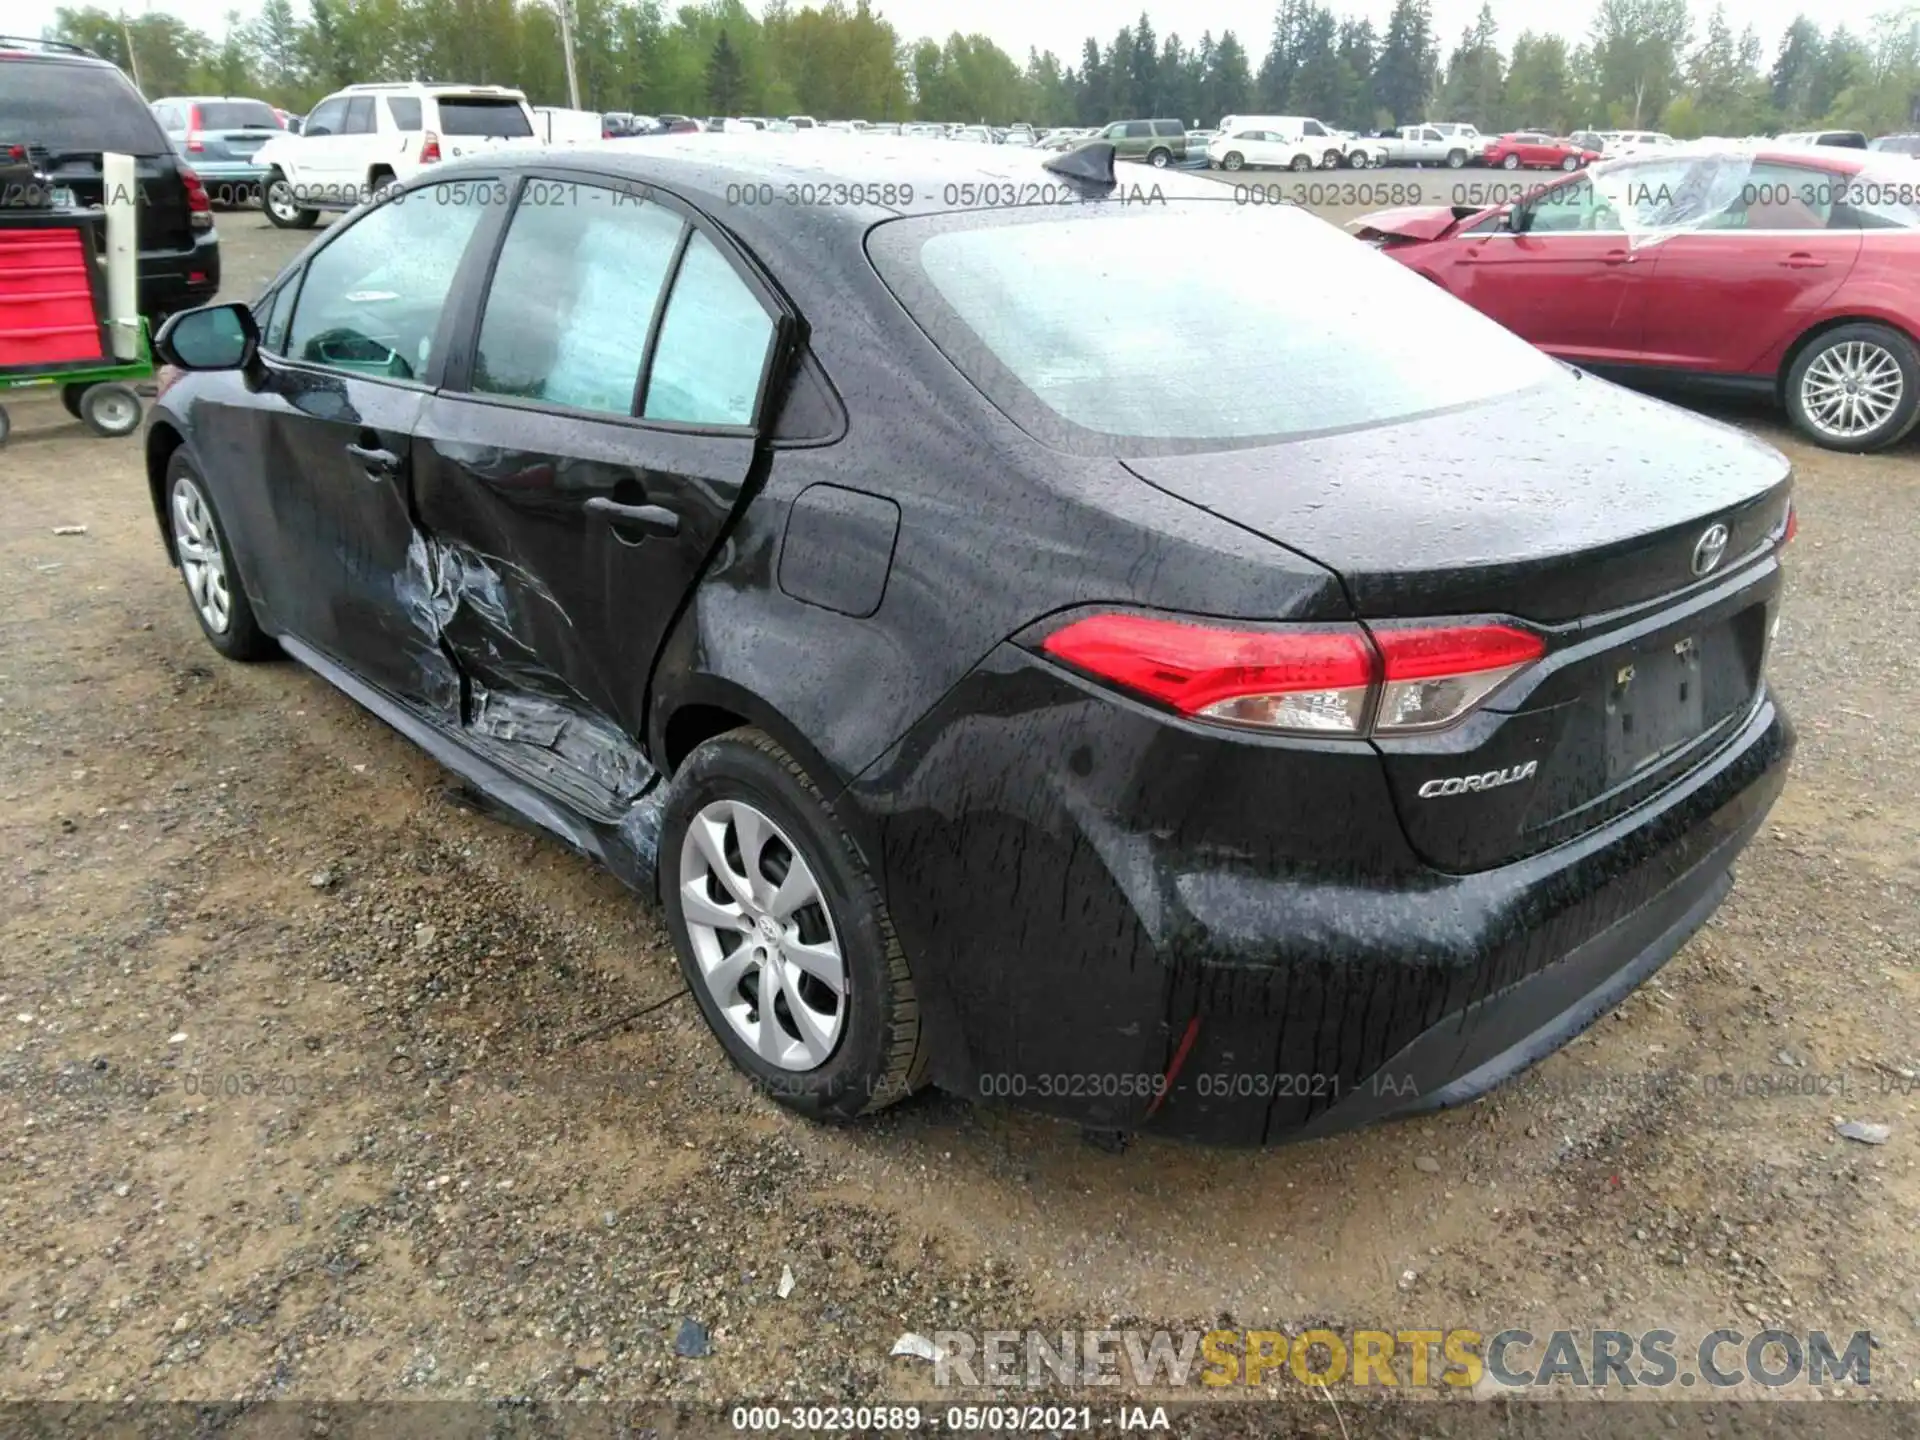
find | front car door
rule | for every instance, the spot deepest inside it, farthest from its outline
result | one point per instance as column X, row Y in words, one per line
column 323, row 438
column 317, row 158
column 1725, row 293
column 586, row 455
column 1567, row 282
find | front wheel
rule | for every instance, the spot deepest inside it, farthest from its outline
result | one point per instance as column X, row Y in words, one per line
column 205, row 557
column 1331, row 160
column 1855, row 388
column 1160, row 159
column 283, row 207
column 783, row 937
column 1572, row 162
column 1512, row 162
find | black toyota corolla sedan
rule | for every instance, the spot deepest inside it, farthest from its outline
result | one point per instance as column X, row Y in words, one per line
column 1239, row 705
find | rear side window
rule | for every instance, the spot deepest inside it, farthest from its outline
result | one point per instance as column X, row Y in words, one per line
column 75, row 109
column 1168, row 127
column 573, row 296
column 405, row 111
column 1068, row 326
column 359, row 116
column 713, row 344
column 372, row 296
column 236, row 115
column 500, row 118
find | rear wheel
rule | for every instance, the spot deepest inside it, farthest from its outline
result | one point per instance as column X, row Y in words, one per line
column 1857, row 388
column 1160, row 159
column 1234, row 160
column 783, row 937
column 206, row 565
column 111, row 410
column 1512, row 162
column 1302, row 162
column 379, row 182
column 1359, row 160
column 1456, row 159
column 283, row 207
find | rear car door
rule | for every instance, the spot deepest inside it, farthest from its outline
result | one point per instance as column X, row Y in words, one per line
column 582, row 462
column 1722, row 296
column 1568, row 282
column 328, row 512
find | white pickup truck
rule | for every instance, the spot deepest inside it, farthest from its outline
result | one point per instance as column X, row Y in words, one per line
column 1428, row 145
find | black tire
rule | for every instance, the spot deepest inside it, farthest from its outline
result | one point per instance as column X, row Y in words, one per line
column 242, row 638
column 285, row 214
column 1234, row 160
column 6, row 425
column 1905, row 412
column 879, row 1056
column 1359, row 160
column 1301, row 163
column 1571, row 163
column 70, row 395
column 1332, row 160
column 1512, row 162
column 110, row 410
column 379, row 182
column 1456, row 159
column 1160, row 158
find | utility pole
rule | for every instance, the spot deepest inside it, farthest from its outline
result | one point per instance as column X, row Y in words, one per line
column 133, row 59
column 566, row 43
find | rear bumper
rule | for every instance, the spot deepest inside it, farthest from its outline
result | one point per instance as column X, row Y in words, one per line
column 173, row 280
column 1061, row 872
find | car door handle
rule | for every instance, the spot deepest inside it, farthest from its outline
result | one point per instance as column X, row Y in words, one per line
column 1800, row 260
column 1618, row 257
column 648, row 519
column 381, row 464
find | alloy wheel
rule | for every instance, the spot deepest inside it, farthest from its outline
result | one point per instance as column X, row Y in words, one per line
column 280, row 200
column 1851, row 389
column 762, row 935
column 202, row 562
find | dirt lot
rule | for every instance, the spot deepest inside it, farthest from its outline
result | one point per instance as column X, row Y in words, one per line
column 318, row 1083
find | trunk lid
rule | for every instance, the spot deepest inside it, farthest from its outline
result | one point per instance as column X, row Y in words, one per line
column 1579, row 509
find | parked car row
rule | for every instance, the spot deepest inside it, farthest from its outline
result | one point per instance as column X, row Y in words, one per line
column 1785, row 272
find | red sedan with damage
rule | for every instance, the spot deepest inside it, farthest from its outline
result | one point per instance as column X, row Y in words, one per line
column 1789, row 275
column 1536, row 151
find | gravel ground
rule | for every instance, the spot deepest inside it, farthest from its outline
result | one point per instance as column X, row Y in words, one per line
column 319, row 1082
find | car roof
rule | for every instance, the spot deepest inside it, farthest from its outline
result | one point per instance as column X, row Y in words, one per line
column 706, row 168
column 76, row 57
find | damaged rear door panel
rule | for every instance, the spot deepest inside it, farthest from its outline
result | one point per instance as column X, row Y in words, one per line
column 593, row 438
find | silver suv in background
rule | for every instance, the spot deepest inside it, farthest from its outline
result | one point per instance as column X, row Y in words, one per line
column 219, row 136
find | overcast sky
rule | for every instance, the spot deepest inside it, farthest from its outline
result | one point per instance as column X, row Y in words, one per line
column 1061, row 25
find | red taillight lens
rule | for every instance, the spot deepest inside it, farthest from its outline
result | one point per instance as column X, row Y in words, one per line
column 1793, row 523
column 1433, row 676
column 199, row 203
column 1317, row 680
column 430, row 148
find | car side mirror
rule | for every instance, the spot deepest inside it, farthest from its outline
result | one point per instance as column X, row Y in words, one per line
column 213, row 337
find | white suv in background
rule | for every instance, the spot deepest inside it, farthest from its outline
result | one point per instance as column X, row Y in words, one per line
column 361, row 139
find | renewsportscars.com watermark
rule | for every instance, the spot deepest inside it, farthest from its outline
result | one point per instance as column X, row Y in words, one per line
column 1386, row 1359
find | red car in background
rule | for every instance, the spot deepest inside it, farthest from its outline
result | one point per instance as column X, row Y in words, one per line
column 1802, row 287
column 1536, row 151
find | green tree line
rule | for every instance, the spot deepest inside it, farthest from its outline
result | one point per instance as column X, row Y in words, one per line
column 1644, row 64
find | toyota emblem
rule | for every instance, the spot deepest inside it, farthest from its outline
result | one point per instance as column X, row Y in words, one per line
column 1709, row 548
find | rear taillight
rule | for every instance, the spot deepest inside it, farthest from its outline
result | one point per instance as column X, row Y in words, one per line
column 199, row 203
column 1793, row 523
column 430, row 148
column 193, row 130
column 1327, row 680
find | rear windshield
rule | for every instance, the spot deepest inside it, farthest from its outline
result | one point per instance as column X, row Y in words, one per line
column 236, row 115
column 75, row 108
column 483, row 115
column 1073, row 327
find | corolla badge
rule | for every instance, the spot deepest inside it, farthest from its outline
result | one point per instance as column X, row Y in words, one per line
column 1709, row 548
column 1488, row 780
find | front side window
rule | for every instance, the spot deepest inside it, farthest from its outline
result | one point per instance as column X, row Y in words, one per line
column 1574, row 207
column 1066, row 324
column 573, row 296
column 372, row 296
column 327, row 118
column 1313, row 127
column 714, row 344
